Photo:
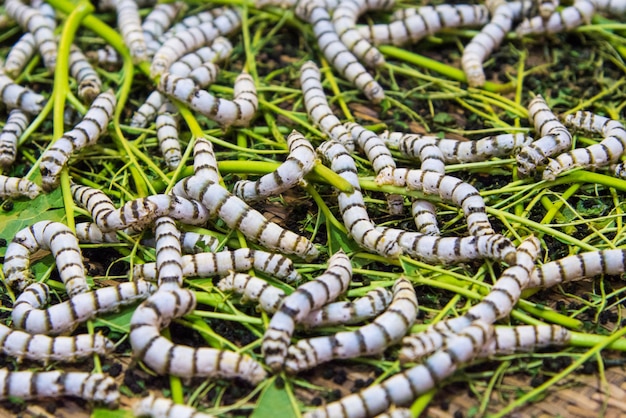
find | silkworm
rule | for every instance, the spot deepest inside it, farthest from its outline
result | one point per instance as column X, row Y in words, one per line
column 404, row 387
column 85, row 133
column 66, row 316
column 167, row 134
column 13, row 128
column 608, row 151
column 424, row 216
column 237, row 112
column 204, row 165
column 148, row 110
column 219, row 50
column 205, row 74
column 222, row 262
column 89, row 83
column 339, row 56
column 15, row 96
column 299, row 162
column 169, row 263
column 156, row 23
column 614, row 7
column 164, row 357
column 129, row 24
column 27, row 385
column 295, row 307
column 448, row 188
column 317, row 106
column 19, row 55
column 558, row 21
column 507, row 340
column 63, row 245
column 352, row 206
column 253, row 289
column 374, row 148
column 396, row 413
column 374, row 338
column 105, row 55
column 330, row 5
column 190, row 21
column 151, row 406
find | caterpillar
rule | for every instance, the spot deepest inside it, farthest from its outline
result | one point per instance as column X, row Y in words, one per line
column 15, row 96
column 129, row 24
column 27, row 385
column 63, row 245
column 190, row 21
column 615, row 7
column 204, row 165
column 89, row 83
column 13, row 128
column 374, row 148
column 253, row 289
column 608, row 151
column 525, row 338
column 106, row 55
column 404, row 387
column 374, row 338
column 151, row 406
column 156, row 22
column 164, row 357
column 148, row 110
column 19, row 55
column 237, row 112
column 352, row 206
column 448, row 188
column 339, row 56
column 558, row 21
column 86, row 133
column 205, row 74
column 167, row 134
column 18, row 187
column 65, row 317
column 169, row 263
column 299, row 162
column 329, row 5
column 295, row 307
column 396, row 413
column 219, row 50
column 555, row 138
column 317, row 106
column 424, row 216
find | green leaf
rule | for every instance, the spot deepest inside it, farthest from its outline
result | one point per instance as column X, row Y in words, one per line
column 107, row 413
column 274, row 402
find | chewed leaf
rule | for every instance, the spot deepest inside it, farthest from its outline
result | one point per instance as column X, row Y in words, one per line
column 274, row 399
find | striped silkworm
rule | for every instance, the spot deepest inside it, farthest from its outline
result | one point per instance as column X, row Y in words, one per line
column 18, row 187
column 45, row 235
column 66, row 316
column 448, row 188
column 615, row 7
column 28, row 385
column 317, row 107
column 169, row 254
column 148, row 110
column 195, row 37
column 85, row 133
column 370, row 339
column 337, row 54
column 330, row 5
column 218, row 51
column 157, row 407
column 89, row 83
column 205, row 74
column 19, row 55
column 15, row 96
column 106, row 55
column 167, row 134
column 507, row 340
column 16, row 123
column 558, row 20
column 204, row 164
column 156, row 23
column 608, row 151
column 373, row 146
column 165, row 357
column 396, row 413
column 454, row 150
column 253, row 289
column 291, row 172
column 222, row 262
column 404, row 387
column 129, row 24
column 554, row 138
column 295, row 307
column 236, row 112
column 190, row 21
column 425, row 217
column 110, row 5
column 352, row 206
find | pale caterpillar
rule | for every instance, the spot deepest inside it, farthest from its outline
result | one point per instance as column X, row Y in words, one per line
column 164, row 357
column 147, row 110
column 339, row 56
column 151, row 406
column 204, row 74
column 204, row 164
column 374, row 148
column 555, row 138
column 18, row 187
column 66, row 316
column 330, row 5
column 63, row 245
column 615, row 7
column 105, row 55
column 27, row 385
column 507, row 340
column 109, row 5
column 167, row 134
column 448, row 188
column 195, row 37
column 194, row 242
column 85, row 133
column 13, row 128
column 608, row 151
column 169, row 263
column 15, row 96
column 156, row 22
column 317, row 107
column 558, row 21
column 190, row 21
column 424, row 216
column 352, row 206
column 129, row 24
column 299, row 162
column 253, row 289
column 19, row 54
column 237, row 112
column 546, row 7
column 454, row 150
column 395, row 204
column 396, row 413
column 219, row 50
column 374, row 338
column 404, row 387
column 295, row 307
column 89, row 83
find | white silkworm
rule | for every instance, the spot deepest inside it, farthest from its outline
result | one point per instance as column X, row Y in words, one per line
column 222, row 262
column 63, row 245
column 164, row 357
column 18, row 187
column 253, row 289
column 404, row 387
column 152, row 406
column 129, row 24
column 448, row 188
column 66, row 316
column 169, row 257
column 330, row 5
column 555, row 138
column 13, row 128
column 298, row 163
column 156, row 22
column 190, row 21
column 193, row 242
column 507, row 340
column 219, row 50
column 615, row 7
column 89, row 83
column 317, row 106
column 424, row 216
column 85, row 133
column 15, row 96
column 53, row 384
column 167, row 134
column 237, row 112
column 295, row 307
column 546, row 7
column 396, row 413
column 558, row 21
column 374, row 338
column 352, row 206
column 339, row 56
column 147, row 110
column 608, row 151
column 19, row 55
column 373, row 146
column 105, row 55
column 205, row 74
